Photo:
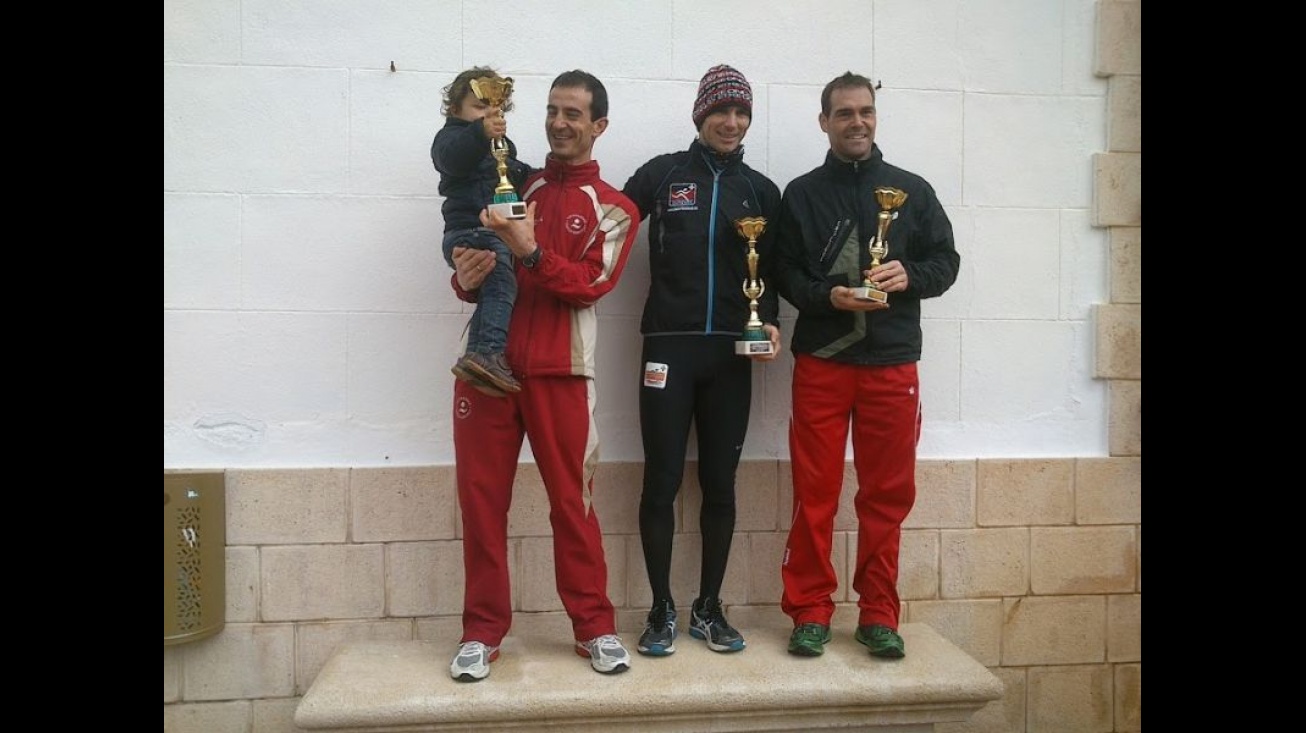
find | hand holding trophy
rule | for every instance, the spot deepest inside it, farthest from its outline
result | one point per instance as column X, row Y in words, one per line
column 889, row 199
column 755, row 341
column 495, row 91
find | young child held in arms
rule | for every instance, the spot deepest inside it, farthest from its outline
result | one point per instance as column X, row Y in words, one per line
column 468, row 177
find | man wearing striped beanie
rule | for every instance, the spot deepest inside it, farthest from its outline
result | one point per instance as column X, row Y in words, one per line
column 722, row 86
column 692, row 376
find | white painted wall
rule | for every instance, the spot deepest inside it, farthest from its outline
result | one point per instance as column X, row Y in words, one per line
column 307, row 319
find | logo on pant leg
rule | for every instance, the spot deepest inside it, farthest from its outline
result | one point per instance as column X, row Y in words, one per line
column 655, row 375
column 462, row 408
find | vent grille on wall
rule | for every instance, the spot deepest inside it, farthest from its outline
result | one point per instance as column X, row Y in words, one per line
column 194, row 555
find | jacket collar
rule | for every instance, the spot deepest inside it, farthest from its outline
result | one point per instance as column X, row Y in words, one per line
column 855, row 167
column 714, row 160
column 556, row 171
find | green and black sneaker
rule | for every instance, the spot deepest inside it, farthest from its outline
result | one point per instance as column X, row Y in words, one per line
column 809, row 640
column 882, row 641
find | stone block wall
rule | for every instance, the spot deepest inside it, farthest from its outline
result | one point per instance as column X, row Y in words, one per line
column 1033, row 567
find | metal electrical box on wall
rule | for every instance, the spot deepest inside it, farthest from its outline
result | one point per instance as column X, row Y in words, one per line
column 194, row 555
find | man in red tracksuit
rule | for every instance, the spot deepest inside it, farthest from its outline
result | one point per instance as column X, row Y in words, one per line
column 570, row 250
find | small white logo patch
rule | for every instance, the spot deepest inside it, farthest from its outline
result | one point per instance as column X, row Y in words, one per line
column 655, row 375
column 463, row 408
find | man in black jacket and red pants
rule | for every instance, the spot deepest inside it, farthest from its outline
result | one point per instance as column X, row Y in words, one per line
column 855, row 362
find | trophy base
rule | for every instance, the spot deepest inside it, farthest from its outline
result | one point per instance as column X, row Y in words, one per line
column 753, row 348
column 871, row 295
column 513, row 210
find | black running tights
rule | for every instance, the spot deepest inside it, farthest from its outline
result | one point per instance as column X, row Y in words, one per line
column 704, row 383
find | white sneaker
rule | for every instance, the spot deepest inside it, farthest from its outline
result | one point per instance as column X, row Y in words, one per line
column 606, row 653
column 472, row 662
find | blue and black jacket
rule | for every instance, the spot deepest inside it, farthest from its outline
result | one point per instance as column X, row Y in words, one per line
column 697, row 260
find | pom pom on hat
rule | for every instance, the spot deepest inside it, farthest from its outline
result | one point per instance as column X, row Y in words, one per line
column 722, row 86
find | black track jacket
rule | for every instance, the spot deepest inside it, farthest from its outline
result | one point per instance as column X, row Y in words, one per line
column 828, row 218
column 697, row 261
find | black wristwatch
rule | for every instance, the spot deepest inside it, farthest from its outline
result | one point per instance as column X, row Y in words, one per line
column 532, row 259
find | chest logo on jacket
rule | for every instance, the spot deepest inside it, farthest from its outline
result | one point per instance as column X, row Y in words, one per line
column 575, row 223
column 683, row 197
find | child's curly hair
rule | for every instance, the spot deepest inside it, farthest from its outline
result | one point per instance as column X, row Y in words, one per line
column 461, row 86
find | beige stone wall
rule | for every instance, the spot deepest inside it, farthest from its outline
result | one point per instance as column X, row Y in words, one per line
column 1034, row 567
column 1031, row 566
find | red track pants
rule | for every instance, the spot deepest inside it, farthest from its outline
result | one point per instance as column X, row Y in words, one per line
column 556, row 414
column 882, row 403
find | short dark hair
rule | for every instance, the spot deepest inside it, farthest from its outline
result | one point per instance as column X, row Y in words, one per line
column 461, row 86
column 846, row 80
column 591, row 83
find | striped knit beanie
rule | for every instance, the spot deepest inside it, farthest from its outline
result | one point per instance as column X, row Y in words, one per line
column 722, row 86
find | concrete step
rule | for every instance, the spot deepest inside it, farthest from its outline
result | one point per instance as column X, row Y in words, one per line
column 540, row 684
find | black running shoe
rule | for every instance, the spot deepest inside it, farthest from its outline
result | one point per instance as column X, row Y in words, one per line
column 708, row 622
column 659, row 637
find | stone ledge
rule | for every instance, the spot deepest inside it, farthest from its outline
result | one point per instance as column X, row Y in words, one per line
column 540, row 684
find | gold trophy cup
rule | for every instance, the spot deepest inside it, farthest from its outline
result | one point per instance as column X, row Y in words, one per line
column 495, row 91
column 755, row 341
column 889, row 199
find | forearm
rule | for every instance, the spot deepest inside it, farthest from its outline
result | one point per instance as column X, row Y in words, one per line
column 582, row 282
